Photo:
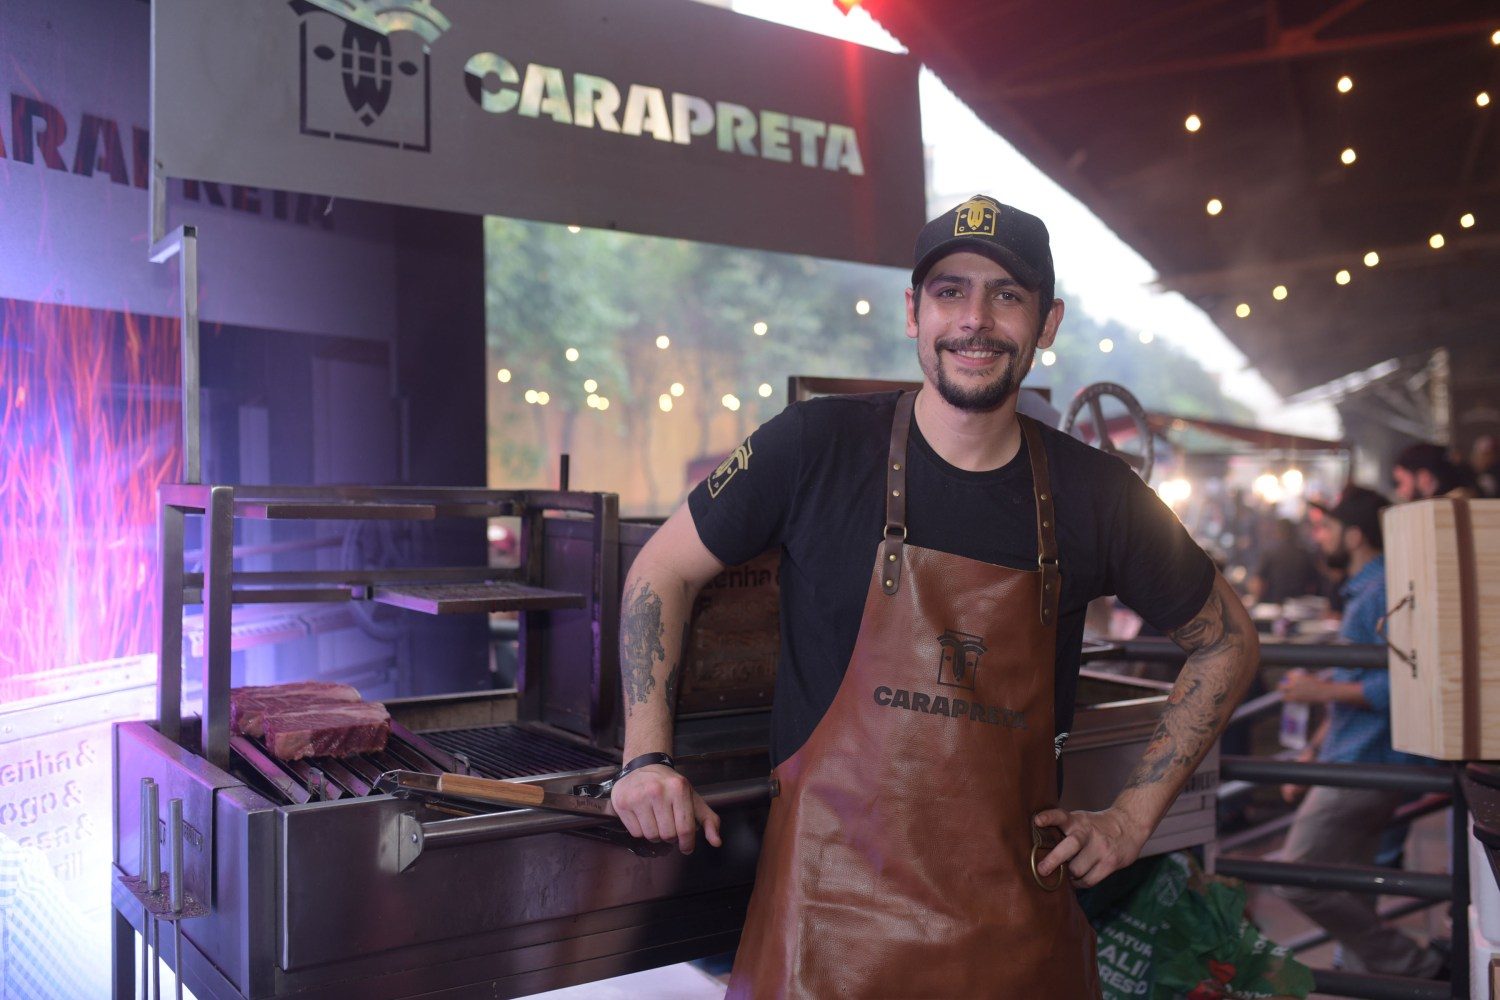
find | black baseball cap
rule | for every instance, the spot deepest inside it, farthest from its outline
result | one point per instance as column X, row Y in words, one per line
column 1359, row 508
column 1014, row 239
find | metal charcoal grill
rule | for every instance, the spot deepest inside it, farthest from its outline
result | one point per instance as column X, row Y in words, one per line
column 310, row 883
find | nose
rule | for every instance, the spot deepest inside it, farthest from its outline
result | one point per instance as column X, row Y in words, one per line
column 978, row 315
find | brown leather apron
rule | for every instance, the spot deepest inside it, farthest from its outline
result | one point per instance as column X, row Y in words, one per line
column 899, row 857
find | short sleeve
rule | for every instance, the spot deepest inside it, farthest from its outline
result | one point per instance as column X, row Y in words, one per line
column 741, row 509
column 1154, row 565
column 1376, row 686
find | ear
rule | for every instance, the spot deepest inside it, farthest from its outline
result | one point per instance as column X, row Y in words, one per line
column 911, row 314
column 1050, row 324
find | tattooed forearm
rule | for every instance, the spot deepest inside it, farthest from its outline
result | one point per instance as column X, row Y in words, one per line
column 675, row 674
column 1222, row 656
column 640, row 643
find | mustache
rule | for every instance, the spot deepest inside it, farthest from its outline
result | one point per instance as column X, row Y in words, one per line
column 977, row 344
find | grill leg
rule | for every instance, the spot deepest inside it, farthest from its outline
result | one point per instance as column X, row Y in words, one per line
column 122, row 946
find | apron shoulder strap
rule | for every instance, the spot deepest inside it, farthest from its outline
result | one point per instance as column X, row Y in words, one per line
column 895, row 496
column 1046, row 520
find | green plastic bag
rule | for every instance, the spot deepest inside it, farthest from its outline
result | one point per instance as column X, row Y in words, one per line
column 1168, row 931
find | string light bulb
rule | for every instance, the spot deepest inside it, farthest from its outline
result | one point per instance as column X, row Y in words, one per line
column 663, row 342
column 677, row 389
column 1343, row 277
column 1466, row 220
column 531, row 395
column 1482, row 98
column 1147, row 336
column 1348, row 156
column 760, row 329
column 603, row 403
column 1345, row 84
column 764, row 390
column 575, row 230
column 1214, row 206
column 1049, row 358
column 664, row 403
column 862, row 307
column 731, row 401
column 1372, row 258
column 1279, row 293
column 503, row 374
column 1192, row 123
column 571, row 354
column 1436, row 241
column 543, row 398
column 1106, row 345
column 1242, row 310
column 589, row 385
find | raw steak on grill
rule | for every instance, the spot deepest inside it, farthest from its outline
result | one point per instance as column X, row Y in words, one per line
column 331, row 730
column 248, row 706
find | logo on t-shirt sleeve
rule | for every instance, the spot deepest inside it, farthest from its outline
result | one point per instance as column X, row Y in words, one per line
column 737, row 460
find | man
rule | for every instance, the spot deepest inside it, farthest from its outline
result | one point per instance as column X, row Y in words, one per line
column 1344, row 825
column 1483, row 466
column 915, row 847
column 1286, row 570
column 1424, row 470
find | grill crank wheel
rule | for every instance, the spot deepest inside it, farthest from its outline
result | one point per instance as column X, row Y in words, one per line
column 1092, row 396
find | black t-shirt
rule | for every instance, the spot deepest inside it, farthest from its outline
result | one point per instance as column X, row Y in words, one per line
column 812, row 481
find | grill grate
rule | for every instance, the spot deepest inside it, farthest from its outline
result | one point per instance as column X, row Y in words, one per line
column 492, row 752
column 512, row 752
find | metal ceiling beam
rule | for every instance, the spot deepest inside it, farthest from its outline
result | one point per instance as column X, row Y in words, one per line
column 1289, row 45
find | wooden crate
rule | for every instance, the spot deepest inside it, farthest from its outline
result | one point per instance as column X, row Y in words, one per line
column 1442, row 575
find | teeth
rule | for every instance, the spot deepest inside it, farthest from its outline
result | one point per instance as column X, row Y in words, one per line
column 977, row 354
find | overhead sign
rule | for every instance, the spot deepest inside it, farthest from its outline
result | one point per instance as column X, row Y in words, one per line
column 664, row 117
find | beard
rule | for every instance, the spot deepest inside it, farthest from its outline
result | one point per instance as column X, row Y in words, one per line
column 959, row 391
column 1338, row 561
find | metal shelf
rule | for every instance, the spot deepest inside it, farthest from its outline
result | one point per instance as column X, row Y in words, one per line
column 466, row 598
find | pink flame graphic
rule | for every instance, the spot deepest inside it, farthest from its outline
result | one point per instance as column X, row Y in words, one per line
column 89, row 428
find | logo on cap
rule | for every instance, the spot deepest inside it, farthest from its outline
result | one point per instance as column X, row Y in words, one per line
column 976, row 217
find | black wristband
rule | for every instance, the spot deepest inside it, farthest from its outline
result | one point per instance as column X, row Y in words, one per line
column 634, row 764
column 646, row 760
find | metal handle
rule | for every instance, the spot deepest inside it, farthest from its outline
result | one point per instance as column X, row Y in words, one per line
column 1409, row 601
column 414, row 837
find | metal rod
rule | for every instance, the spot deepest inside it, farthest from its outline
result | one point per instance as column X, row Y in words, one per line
column 153, row 846
column 1458, row 912
column 1383, row 777
column 1373, row 987
column 525, row 822
column 1340, row 878
column 155, row 958
column 218, row 530
column 562, row 471
column 1318, row 935
column 171, row 525
column 1256, row 706
column 177, row 958
column 145, row 954
column 174, row 847
column 182, row 243
column 1272, row 654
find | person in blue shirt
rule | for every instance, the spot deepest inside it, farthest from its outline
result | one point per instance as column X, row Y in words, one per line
column 1344, row 825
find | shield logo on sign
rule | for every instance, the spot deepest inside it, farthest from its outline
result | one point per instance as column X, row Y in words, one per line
column 365, row 70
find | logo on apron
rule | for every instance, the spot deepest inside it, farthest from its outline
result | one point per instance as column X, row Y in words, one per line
column 958, row 659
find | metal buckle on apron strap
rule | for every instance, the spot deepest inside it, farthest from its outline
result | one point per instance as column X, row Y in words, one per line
column 890, row 558
column 1044, row 844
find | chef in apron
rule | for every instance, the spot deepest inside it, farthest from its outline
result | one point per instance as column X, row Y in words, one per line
column 914, row 846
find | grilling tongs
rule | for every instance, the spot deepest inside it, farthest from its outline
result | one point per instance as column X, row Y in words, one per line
column 488, row 790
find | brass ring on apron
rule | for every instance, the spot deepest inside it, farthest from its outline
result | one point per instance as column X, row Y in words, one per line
column 1038, row 844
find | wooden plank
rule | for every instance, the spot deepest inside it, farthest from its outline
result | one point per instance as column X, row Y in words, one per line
column 1429, row 701
column 468, row 598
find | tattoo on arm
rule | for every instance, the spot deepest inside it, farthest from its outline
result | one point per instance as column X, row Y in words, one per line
column 641, row 643
column 1196, row 708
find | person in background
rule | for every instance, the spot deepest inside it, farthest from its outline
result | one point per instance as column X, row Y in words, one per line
column 1424, row 470
column 1345, row 825
column 1287, row 568
column 1483, row 464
